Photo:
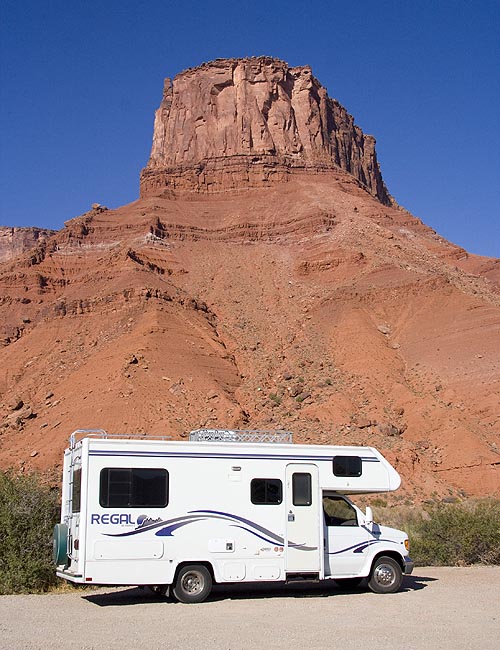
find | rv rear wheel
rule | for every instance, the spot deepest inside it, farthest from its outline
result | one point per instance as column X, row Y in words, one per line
column 386, row 576
column 193, row 584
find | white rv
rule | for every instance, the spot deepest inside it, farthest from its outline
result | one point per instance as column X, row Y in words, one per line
column 181, row 516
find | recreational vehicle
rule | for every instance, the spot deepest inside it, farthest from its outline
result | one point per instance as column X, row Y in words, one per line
column 223, row 507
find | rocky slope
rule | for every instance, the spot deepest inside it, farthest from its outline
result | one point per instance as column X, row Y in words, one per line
column 306, row 302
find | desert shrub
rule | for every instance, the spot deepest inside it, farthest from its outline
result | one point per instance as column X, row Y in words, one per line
column 450, row 534
column 459, row 533
column 28, row 512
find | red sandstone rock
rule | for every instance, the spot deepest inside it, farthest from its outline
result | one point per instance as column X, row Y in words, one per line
column 15, row 241
column 235, row 123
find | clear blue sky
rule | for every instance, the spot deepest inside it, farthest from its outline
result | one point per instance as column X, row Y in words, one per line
column 80, row 82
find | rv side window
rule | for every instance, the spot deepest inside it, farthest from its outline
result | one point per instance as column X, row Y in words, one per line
column 266, row 491
column 347, row 466
column 301, row 489
column 133, row 488
column 76, row 490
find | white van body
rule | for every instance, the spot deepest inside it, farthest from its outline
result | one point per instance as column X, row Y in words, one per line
column 137, row 511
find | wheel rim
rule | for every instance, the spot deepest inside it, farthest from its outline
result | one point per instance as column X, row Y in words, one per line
column 192, row 583
column 385, row 575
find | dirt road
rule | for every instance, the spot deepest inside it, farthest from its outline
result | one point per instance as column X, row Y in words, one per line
column 439, row 609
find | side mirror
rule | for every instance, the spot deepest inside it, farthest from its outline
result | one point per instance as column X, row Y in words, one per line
column 368, row 516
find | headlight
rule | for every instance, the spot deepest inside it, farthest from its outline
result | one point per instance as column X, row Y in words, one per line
column 407, row 544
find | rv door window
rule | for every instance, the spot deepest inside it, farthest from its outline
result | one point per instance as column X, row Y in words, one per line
column 301, row 489
column 133, row 488
column 347, row 466
column 266, row 491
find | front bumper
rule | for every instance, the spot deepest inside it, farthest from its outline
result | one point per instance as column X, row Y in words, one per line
column 409, row 564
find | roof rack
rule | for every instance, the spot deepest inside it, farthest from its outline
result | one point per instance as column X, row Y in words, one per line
column 200, row 435
column 101, row 433
column 240, row 435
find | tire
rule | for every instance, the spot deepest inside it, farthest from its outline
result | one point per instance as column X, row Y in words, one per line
column 386, row 576
column 193, row 584
column 348, row 583
column 60, row 545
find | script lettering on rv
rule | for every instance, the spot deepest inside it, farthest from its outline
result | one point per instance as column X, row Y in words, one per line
column 122, row 518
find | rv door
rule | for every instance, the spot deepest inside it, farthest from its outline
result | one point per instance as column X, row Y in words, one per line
column 303, row 535
column 73, row 516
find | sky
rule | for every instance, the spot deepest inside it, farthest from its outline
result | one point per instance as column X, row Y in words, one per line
column 80, row 81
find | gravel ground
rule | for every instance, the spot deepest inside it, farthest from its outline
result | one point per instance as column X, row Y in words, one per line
column 439, row 608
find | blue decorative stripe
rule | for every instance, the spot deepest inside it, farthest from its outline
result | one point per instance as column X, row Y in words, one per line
column 169, row 526
column 157, row 524
column 252, row 532
column 217, row 514
column 177, row 454
column 361, row 546
column 168, row 531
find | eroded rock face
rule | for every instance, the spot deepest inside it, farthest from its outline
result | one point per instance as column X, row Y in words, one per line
column 15, row 241
column 233, row 123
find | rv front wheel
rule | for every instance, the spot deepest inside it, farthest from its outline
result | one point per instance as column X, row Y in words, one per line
column 386, row 576
column 193, row 584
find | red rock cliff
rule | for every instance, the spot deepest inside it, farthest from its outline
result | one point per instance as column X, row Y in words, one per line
column 233, row 123
column 15, row 241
